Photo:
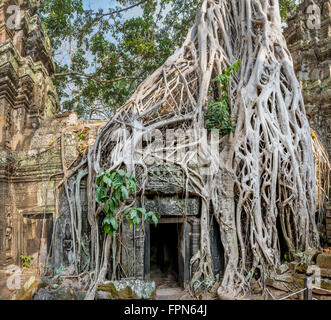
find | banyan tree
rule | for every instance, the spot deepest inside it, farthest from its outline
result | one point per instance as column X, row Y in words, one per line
column 261, row 182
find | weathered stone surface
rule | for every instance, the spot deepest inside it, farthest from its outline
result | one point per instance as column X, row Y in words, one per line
column 308, row 38
column 37, row 144
column 126, row 290
column 173, row 206
column 63, row 293
column 325, row 272
column 299, row 279
column 283, row 269
column 63, row 246
column 60, row 293
column 324, row 261
column 43, row 294
column 165, row 181
column 310, row 45
column 321, row 271
column 318, row 282
column 63, row 287
column 306, row 258
column 29, row 289
column 328, row 222
column 283, row 282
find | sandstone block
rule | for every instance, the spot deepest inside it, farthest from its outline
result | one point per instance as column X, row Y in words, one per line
column 126, row 290
column 29, row 289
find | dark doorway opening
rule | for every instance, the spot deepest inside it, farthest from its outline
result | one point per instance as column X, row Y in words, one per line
column 282, row 243
column 216, row 247
column 164, row 251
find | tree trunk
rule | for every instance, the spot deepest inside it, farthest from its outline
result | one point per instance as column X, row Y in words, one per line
column 266, row 169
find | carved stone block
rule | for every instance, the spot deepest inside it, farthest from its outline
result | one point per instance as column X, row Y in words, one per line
column 173, row 206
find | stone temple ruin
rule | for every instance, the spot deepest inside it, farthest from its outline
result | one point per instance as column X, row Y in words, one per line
column 151, row 253
column 154, row 252
column 39, row 145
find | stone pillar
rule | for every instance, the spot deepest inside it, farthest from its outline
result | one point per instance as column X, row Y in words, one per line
column 139, row 252
column 195, row 238
column 186, row 252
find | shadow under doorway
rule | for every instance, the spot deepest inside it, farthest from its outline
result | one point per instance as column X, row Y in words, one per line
column 164, row 251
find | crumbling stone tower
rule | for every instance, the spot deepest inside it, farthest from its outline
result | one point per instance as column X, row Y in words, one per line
column 27, row 98
column 37, row 145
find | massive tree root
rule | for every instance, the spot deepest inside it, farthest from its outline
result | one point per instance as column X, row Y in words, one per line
column 264, row 176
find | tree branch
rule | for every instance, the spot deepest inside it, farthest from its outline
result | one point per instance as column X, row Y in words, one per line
column 91, row 77
column 100, row 16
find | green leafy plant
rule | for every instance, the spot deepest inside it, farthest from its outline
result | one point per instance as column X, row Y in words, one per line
column 81, row 135
column 286, row 7
column 26, row 260
column 286, row 257
column 114, row 188
column 217, row 115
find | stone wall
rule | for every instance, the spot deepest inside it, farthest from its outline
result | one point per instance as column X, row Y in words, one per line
column 308, row 37
column 37, row 144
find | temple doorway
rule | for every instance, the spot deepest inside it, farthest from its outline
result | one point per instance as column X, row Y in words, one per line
column 167, row 252
column 164, row 252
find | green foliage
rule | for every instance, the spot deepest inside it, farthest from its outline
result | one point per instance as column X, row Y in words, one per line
column 114, row 188
column 115, row 49
column 217, row 115
column 114, row 53
column 58, row 17
column 286, row 257
column 81, row 135
column 286, row 7
column 26, row 260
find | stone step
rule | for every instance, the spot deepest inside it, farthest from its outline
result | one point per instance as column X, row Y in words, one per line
column 169, row 293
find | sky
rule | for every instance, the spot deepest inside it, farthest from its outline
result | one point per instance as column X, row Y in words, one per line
column 106, row 4
column 95, row 5
column 64, row 52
